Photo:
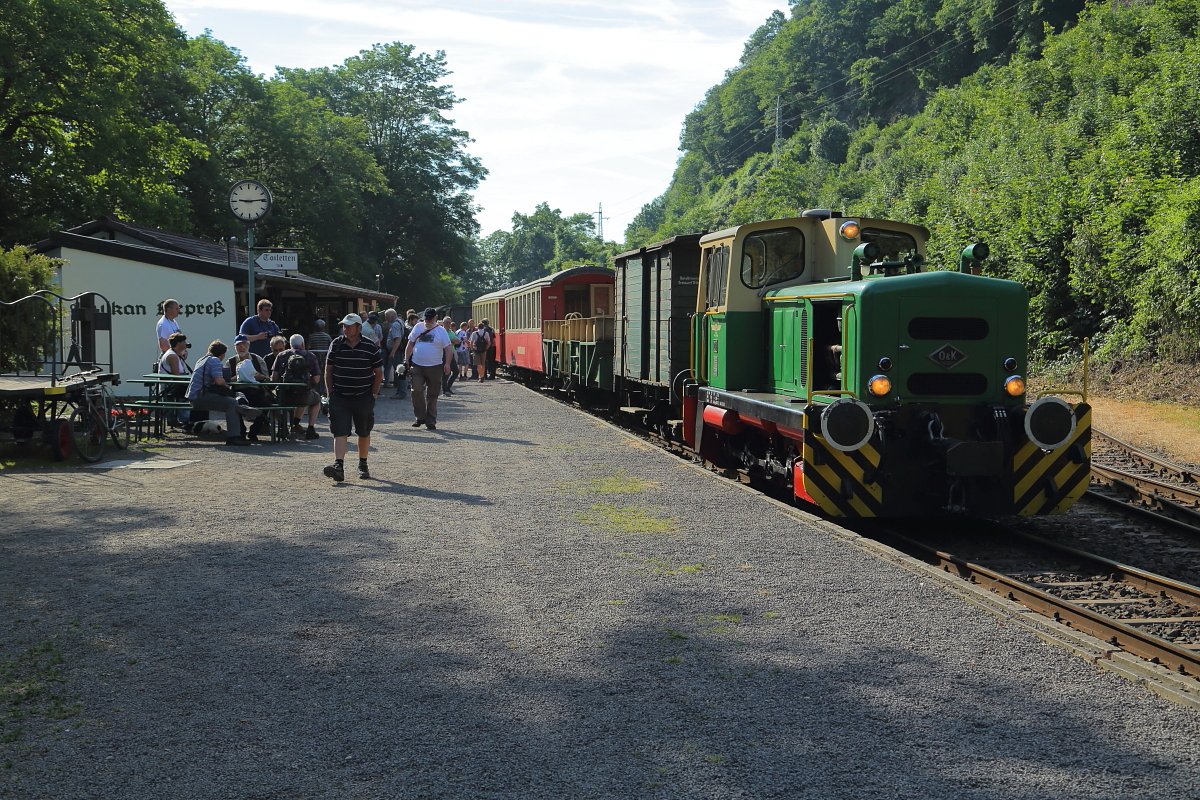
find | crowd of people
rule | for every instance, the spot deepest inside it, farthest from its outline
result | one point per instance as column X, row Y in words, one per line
column 419, row 356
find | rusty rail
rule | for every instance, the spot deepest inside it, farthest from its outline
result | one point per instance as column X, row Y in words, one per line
column 1177, row 501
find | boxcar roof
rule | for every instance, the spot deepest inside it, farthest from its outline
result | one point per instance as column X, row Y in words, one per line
column 683, row 237
column 558, row 277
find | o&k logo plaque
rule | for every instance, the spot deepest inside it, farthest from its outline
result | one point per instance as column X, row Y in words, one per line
column 947, row 356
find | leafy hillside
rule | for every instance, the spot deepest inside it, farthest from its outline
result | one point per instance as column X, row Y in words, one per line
column 1075, row 155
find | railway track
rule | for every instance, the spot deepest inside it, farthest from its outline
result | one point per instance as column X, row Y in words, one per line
column 1145, row 614
column 1123, row 473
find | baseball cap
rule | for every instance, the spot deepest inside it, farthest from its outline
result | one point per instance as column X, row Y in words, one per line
column 351, row 319
column 430, row 313
column 241, row 337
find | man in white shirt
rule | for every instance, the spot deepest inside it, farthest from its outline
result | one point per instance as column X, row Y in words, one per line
column 430, row 353
column 167, row 325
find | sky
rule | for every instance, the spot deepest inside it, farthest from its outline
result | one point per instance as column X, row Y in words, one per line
column 576, row 103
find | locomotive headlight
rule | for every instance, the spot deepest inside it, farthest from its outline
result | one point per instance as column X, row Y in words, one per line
column 885, row 363
column 1010, row 364
column 880, row 386
column 849, row 231
column 1050, row 423
column 1015, row 386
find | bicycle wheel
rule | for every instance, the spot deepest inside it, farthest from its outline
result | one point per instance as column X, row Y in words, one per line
column 87, row 432
column 119, row 423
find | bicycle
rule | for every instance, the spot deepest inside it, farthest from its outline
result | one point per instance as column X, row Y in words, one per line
column 99, row 415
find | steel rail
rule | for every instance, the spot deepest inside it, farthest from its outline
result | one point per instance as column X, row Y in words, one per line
column 1120, row 634
column 1174, row 471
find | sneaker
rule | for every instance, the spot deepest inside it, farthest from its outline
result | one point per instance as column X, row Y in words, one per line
column 237, row 441
column 363, row 472
column 335, row 471
column 418, row 423
column 312, row 434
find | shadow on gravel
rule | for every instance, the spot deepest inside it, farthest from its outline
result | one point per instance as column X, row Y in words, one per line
column 395, row 487
column 352, row 660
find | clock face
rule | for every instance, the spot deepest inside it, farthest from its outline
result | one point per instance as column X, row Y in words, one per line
column 249, row 201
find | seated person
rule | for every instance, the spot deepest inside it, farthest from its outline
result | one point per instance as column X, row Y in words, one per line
column 261, row 374
column 278, row 345
column 298, row 365
column 174, row 362
column 209, row 390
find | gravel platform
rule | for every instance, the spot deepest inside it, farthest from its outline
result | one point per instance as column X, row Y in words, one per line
column 525, row 603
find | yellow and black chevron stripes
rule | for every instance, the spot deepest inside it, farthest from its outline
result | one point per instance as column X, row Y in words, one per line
column 838, row 481
column 1050, row 483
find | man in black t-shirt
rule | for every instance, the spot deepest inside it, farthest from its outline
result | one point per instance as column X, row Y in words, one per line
column 353, row 373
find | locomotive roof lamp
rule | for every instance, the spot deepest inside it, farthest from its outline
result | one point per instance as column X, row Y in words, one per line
column 249, row 201
column 971, row 260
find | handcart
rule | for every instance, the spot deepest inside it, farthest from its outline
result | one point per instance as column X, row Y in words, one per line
column 57, row 385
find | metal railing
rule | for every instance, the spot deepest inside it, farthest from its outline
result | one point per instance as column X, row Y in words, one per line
column 47, row 334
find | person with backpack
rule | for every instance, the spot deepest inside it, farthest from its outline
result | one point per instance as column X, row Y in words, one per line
column 298, row 365
column 490, row 360
column 481, row 342
column 353, row 373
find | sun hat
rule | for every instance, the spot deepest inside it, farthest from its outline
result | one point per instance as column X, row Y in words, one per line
column 351, row 319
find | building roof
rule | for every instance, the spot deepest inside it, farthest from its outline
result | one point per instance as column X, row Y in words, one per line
column 120, row 239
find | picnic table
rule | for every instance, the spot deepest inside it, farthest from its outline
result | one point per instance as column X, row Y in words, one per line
column 159, row 407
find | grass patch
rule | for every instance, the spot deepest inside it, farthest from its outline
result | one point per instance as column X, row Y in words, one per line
column 771, row 614
column 27, row 684
column 625, row 520
column 619, row 483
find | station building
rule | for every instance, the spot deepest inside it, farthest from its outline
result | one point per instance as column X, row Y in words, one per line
column 137, row 268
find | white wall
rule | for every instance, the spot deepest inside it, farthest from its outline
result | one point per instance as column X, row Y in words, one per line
column 136, row 290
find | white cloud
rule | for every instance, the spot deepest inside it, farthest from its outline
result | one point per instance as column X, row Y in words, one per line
column 573, row 102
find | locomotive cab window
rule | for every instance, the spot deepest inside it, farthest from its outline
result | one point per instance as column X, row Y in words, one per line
column 716, row 263
column 772, row 257
column 893, row 245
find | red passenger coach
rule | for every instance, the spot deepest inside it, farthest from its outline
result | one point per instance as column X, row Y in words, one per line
column 491, row 307
column 586, row 291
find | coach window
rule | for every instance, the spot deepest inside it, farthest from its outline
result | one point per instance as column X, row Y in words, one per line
column 772, row 256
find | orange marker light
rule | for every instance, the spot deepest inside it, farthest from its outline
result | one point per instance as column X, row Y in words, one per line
column 1015, row 386
column 849, row 230
column 880, row 385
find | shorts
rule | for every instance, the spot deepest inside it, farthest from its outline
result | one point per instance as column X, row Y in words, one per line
column 358, row 408
column 462, row 358
column 479, row 358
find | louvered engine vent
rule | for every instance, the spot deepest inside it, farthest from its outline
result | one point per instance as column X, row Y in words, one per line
column 961, row 328
column 943, row 384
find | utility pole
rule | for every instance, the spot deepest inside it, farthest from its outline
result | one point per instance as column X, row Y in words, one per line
column 600, row 222
column 778, row 129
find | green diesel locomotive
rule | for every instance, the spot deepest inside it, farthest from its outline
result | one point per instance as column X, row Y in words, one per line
column 823, row 355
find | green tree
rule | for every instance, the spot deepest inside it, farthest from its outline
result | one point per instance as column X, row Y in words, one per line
column 24, row 332
column 420, row 228
column 89, row 114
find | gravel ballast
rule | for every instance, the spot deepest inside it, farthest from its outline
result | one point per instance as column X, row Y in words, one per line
column 525, row 603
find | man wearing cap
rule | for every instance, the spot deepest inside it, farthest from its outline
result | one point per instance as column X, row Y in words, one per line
column 255, row 396
column 430, row 353
column 259, row 329
column 353, row 372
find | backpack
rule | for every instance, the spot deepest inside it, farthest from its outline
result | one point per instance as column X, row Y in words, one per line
column 480, row 341
column 296, row 369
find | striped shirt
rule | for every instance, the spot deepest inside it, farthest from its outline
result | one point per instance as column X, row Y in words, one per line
column 353, row 367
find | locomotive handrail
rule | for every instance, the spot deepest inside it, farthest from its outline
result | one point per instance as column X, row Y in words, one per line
column 1082, row 395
